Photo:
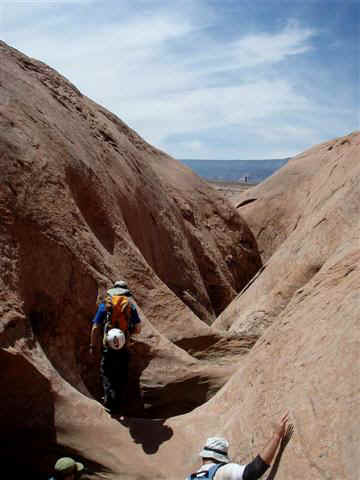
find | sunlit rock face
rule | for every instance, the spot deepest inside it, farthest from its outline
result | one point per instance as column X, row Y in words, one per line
column 305, row 307
column 302, row 217
column 85, row 201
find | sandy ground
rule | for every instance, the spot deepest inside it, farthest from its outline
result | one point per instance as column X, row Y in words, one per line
column 230, row 189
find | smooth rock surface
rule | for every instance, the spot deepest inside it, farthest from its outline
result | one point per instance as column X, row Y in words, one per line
column 79, row 190
column 85, row 201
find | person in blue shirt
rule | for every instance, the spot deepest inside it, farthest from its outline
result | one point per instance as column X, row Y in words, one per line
column 114, row 362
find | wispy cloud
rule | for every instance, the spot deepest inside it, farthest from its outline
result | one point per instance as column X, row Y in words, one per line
column 261, row 48
column 174, row 76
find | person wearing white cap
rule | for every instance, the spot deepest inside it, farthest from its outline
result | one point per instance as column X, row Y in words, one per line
column 217, row 465
column 117, row 322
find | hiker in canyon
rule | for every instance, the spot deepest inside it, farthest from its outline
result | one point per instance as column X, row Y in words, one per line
column 117, row 318
column 217, row 465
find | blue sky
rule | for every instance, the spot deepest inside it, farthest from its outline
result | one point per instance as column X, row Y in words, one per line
column 207, row 79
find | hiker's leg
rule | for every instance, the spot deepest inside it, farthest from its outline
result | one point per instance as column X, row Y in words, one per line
column 108, row 372
column 122, row 375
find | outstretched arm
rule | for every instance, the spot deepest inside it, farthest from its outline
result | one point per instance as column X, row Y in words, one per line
column 284, row 441
column 279, row 430
column 261, row 463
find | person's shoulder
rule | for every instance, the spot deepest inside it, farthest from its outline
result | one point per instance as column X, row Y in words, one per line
column 230, row 471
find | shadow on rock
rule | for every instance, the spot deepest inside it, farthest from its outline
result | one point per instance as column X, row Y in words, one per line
column 26, row 418
column 150, row 433
column 153, row 400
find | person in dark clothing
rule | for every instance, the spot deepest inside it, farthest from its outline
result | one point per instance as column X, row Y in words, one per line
column 217, row 465
column 115, row 357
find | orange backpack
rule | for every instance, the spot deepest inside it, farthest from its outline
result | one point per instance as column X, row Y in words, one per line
column 120, row 310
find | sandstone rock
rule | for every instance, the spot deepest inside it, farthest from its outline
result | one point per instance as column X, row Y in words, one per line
column 75, row 170
column 59, row 244
column 305, row 306
column 85, row 201
column 306, row 362
column 307, row 212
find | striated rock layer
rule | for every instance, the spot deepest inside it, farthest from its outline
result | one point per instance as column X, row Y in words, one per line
column 85, row 201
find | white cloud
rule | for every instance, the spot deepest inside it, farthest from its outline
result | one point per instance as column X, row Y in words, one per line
column 262, row 48
column 256, row 49
column 163, row 71
column 244, row 106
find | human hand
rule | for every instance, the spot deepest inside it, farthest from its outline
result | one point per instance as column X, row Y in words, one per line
column 280, row 427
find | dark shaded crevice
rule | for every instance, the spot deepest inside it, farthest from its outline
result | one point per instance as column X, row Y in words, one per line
column 245, row 202
column 84, row 188
column 176, row 398
column 219, row 296
column 159, row 400
column 321, row 221
column 30, row 428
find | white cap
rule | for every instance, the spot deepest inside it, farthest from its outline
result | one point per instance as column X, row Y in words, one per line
column 216, row 448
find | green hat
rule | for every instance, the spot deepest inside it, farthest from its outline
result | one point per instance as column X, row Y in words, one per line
column 66, row 465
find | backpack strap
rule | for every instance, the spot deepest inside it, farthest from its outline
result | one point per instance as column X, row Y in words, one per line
column 206, row 474
column 107, row 326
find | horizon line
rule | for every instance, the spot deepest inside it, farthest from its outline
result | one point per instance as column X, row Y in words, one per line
column 234, row 159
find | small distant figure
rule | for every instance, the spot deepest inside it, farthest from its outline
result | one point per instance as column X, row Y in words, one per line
column 67, row 469
column 217, row 465
column 118, row 319
column 246, row 178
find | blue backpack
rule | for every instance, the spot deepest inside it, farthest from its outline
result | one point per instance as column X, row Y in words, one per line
column 206, row 474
